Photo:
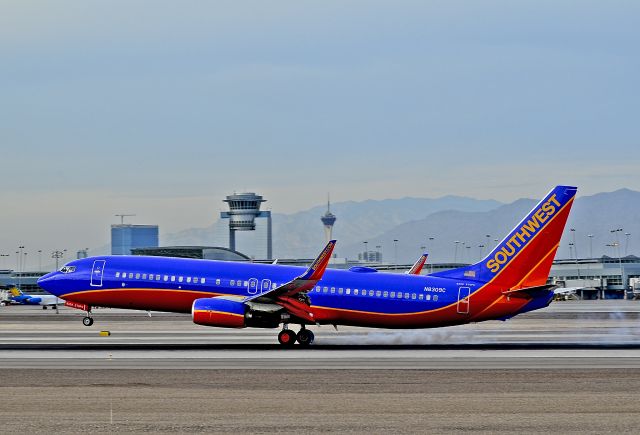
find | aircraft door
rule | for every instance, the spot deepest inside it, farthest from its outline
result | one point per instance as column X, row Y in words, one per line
column 252, row 286
column 464, row 293
column 96, row 273
column 265, row 286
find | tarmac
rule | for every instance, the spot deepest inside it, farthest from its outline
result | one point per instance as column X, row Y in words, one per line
column 573, row 367
column 578, row 334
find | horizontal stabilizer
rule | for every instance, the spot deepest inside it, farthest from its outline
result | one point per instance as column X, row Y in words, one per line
column 529, row 291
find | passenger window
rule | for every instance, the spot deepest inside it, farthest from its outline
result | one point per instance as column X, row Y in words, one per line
column 180, row 279
column 406, row 295
column 117, row 274
column 333, row 290
column 435, row 297
column 393, row 294
column 188, row 279
column 378, row 293
column 144, row 276
column 370, row 292
column 355, row 292
column 137, row 276
column 202, row 281
column 240, row 283
column 428, row 297
column 413, row 296
column 385, row 294
column 166, row 278
column 325, row 289
column 340, row 291
column 130, row 274
column 421, row 296
column 173, row 278
column 157, row 277
column 196, row 280
column 233, row 282
column 348, row 291
column 317, row 289
column 399, row 295
column 217, row 281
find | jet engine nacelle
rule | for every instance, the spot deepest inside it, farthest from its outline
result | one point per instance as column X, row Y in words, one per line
column 225, row 313
column 218, row 312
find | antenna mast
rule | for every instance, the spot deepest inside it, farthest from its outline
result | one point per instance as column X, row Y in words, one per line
column 122, row 216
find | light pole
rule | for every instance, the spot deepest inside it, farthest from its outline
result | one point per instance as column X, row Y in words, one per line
column 395, row 249
column 626, row 246
column 617, row 232
column 2, row 256
column 481, row 251
column 20, row 262
column 455, row 251
column 39, row 260
column 590, row 245
column 431, row 239
column 366, row 250
column 379, row 248
column 575, row 247
column 57, row 255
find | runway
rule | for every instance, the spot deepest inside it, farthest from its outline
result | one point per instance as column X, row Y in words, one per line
column 573, row 368
column 574, row 334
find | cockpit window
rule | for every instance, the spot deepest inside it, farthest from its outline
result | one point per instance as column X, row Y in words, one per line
column 67, row 269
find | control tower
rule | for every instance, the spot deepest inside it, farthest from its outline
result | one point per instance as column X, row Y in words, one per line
column 244, row 208
column 328, row 219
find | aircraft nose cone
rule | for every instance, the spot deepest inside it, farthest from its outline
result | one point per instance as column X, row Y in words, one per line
column 46, row 281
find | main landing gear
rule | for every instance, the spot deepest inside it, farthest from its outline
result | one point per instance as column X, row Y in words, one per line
column 288, row 338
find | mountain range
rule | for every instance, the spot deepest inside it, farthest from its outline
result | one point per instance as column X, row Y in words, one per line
column 475, row 224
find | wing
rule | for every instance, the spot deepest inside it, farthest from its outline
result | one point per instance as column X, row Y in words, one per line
column 304, row 282
column 292, row 295
column 418, row 265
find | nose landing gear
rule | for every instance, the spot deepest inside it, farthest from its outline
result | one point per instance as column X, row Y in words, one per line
column 87, row 320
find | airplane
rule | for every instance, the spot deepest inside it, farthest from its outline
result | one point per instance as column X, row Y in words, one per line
column 566, row 293
column 510, row 280
column 46, row 301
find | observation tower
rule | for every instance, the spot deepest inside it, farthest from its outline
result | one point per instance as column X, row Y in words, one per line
column 328, row 219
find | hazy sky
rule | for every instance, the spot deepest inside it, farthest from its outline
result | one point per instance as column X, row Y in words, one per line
column 162, row 108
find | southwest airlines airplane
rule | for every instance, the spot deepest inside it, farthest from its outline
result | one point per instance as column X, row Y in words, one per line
column 510, row 280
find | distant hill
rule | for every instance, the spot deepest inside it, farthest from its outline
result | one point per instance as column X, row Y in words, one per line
column 596, row 215
column 413, row 220
column 301, row 234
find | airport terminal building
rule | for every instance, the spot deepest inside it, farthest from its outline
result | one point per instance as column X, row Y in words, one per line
column 597, row 278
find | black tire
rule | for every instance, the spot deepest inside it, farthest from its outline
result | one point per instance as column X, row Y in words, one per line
column 305, row 337
column 287, row 337
column 87, row 321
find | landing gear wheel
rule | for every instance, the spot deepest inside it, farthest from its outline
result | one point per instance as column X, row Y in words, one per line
column 287, row 337
column 305, row 337
column 87, row 321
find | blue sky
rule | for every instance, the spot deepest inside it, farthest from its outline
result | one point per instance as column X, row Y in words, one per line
column 162, row 108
